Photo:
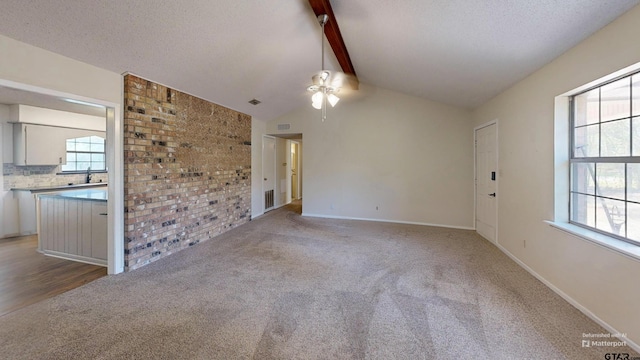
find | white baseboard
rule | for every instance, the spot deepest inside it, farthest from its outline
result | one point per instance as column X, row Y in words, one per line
column 263, row 212
column 79, row 258
column 569, row 299
column 387, row 221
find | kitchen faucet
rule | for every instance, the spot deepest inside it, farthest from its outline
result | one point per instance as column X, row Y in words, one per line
column 88, row 179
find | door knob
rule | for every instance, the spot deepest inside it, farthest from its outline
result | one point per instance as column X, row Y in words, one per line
column 492, row 195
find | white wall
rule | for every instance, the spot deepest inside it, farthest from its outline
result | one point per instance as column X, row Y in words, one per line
column 601, row 281
column 34, row 69
column 42, row 116
column 412, row 158
column 258, row 128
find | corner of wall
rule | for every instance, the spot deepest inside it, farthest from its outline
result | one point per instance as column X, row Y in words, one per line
column 258, row 128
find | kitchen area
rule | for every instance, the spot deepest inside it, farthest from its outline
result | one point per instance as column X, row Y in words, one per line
column 53, row 203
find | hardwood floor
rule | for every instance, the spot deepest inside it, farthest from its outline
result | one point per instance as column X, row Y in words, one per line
column 27, row 277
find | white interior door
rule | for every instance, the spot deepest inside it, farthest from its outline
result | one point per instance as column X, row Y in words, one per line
column 268, row 171
column 486, row 181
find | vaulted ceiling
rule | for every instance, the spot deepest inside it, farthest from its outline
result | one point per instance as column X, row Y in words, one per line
column 459, row 52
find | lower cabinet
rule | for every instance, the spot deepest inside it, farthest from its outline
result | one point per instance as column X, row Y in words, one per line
column 74, row 229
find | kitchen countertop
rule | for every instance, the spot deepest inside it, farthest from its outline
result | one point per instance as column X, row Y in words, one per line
column 61, row 187
column 85, row 194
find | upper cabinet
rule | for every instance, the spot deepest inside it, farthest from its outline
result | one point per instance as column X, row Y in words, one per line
column 38, row 145
column 40, row 135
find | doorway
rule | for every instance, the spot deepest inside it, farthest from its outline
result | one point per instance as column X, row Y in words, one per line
column 296, row 192
column 19, row 93
column 486, row 180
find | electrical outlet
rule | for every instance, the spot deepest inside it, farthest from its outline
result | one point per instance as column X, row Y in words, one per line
column 376, row 208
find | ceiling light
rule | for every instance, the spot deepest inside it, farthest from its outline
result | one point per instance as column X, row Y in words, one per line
column 333, row 100
column 322, row 88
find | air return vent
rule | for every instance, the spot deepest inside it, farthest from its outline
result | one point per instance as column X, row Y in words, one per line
column 284, row 126
column 268, row 199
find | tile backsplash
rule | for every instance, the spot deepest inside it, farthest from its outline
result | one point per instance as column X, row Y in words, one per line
column 42, row 176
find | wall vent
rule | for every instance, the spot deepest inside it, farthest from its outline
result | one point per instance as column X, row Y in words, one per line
column 268, row 199
column 284, row 126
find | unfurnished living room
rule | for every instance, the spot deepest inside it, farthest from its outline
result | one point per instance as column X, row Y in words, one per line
column 320, row 179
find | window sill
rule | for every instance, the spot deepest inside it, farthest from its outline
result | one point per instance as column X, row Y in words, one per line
column 608, row 242
column 81, row 172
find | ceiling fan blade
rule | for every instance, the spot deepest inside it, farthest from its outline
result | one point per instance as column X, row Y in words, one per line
column 342, row 80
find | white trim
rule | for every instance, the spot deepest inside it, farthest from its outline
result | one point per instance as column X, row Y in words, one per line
column 475, row 181
column 270, row 210
column 275, row 174
column 386, row 221
column 257, row 215
column 287, row 172
column 79, row 258
column 298, row 166
column 569, row 299
column 115, row 204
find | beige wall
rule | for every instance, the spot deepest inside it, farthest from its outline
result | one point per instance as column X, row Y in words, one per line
column 602, row 282
column 412, row 158
column 28, row 64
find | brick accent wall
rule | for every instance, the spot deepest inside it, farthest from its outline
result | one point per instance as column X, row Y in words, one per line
column 187, row 170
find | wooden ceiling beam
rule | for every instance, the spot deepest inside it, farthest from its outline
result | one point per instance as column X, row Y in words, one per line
column 332, row 32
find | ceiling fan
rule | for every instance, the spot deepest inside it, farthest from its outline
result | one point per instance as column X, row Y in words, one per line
column 326, row 84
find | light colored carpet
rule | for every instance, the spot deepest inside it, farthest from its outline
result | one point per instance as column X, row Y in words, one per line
column 288, row 287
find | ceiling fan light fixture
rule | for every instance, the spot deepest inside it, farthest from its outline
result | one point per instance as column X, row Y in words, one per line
column 317, row 97
column 333, row 100
column 322, row 86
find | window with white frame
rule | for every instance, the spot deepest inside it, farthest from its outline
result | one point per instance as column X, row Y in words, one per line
column 85, row 152
column 605, row 159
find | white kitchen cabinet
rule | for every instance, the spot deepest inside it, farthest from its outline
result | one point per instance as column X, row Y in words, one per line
column 74, row 229
column 38, row 145
column 99, row 230
column 27, row 212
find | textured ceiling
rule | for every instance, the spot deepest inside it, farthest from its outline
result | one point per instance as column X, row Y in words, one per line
column 460, row 52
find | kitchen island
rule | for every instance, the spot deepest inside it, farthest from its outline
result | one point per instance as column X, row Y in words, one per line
column 73, row 225
column 27, row 223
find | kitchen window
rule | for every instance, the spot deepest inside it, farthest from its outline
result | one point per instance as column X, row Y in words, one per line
column 605, row 159
column 85, row 152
